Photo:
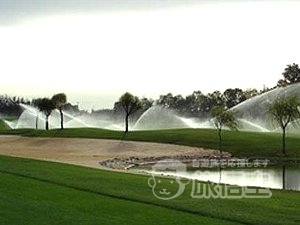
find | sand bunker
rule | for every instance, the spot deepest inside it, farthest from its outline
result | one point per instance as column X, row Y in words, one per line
column 94, row 152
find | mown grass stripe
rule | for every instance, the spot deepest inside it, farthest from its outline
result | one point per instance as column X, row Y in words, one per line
column 123, row 197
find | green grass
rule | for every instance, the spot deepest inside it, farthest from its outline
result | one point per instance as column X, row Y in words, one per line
column 37, row 192
column 241, row 144
column 3, row 125
column 10, row 118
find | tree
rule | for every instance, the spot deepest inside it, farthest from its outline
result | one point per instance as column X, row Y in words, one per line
column 284, row 110
column 291, row 74
column 233, row 96
column 130, row 105
column 46, row 106
column 215, row 99
column 282, row 83
column 10, row 106
column 167, row 101
column 195, row 104
column 145, row 105
column 59, row 101
column 221, row 118
column 36, row 103
column 250, row 93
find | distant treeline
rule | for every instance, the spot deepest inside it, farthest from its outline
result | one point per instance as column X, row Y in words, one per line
column 10, row 106
column 200, row 105
column 197, row 104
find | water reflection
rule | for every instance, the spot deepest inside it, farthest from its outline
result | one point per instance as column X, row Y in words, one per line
column 282, row 177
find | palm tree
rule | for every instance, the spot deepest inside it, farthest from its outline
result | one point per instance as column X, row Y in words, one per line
column 284, row 110
column 130, row 104
column 221, row 118
column 46, row 106
column 59, row 100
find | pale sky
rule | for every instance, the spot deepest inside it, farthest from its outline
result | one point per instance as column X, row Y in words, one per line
column 94, row 51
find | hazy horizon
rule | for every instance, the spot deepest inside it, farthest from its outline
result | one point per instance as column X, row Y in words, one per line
column 94, row 51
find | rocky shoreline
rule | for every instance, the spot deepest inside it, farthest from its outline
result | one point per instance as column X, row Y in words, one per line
column 126, row 163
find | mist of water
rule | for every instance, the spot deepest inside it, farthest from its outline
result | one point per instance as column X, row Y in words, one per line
column 252, row 116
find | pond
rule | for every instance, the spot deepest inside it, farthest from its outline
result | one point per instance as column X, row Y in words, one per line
column 279, row 177
column 275, row 177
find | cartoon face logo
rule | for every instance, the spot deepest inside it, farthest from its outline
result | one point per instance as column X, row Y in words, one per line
column 171, row 187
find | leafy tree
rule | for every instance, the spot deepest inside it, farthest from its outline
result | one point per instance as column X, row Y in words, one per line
column 36, row 103
column 291, row 74
column 145, row 105
column 167, row 101
column 46, row 106
column 194, row 104
column 200, row 105
column 216, row 99
column 59, row 101
column 284, row 110
column 177, row 103
column 221, row 118
column 211, row 100
column 10, row 106
column 233, row 97
column 282, row 83
column 249, row 93
column 130, row 104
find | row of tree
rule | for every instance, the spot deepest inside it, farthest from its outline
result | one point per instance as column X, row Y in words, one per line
column 284, row 111
column 200, row 105
column 195, row 105
column 47, row 105
column 10, row 106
